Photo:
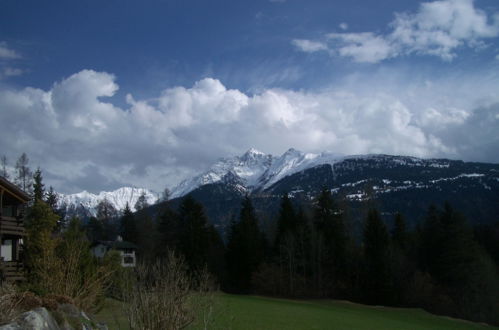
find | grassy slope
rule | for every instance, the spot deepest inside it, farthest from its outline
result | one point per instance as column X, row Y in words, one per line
column 250, row 312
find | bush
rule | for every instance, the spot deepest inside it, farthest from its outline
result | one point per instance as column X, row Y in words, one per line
column 164, row 295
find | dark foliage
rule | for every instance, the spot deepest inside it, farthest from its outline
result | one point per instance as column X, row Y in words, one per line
column 245, row 248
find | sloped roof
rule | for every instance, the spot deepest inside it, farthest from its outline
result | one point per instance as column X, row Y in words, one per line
column 14, row 190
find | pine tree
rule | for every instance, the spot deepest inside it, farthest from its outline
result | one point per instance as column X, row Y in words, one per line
column 38, row 186
column 329, row 224
column 460, row 267
column 376, row 254
column 168, row 232
column 287, row 221
column 245, row 248
column 146, row 236
column 128, row 225
column 399, row 233
column 51, row 199
column 194, row 239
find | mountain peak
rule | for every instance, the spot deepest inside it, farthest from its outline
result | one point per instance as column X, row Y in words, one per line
column 254, row 151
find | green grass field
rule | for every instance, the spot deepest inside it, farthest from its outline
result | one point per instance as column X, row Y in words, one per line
column 252, row 312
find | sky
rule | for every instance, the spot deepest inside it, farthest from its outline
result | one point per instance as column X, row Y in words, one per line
column 105, row 94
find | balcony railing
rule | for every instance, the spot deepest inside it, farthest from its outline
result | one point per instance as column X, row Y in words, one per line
column 12, row 226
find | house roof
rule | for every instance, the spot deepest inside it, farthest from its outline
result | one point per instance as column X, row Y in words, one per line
column 13, row 189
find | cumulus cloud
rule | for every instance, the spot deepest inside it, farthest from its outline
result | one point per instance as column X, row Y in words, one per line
column 84, row 141
column 438, row 28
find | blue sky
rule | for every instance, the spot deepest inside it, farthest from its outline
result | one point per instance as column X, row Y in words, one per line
column 102, row 94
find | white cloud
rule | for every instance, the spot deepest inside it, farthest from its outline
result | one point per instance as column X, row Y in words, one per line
column 6, row 53
column 83, row 141
column 362, row 47
column 343, row 26
column 438, row 28
column 309, row 46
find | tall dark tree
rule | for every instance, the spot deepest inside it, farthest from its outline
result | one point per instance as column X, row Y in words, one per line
column 168, row 231
column 287, row 221
column 38, row 186
column 399, row 232
column 460, row 267
column 245, row 248
column 146, row 236
column 194, row 238
column 23, row 172
column 52, row 198
column 329, row 223
column 376, row 255
column 128, row 228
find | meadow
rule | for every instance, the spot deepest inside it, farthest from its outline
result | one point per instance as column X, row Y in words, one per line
column 255, row 312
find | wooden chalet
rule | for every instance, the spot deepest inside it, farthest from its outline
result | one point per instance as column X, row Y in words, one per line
column 12, row 209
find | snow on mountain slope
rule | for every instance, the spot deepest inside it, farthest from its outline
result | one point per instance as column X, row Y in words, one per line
column 118, row 198
column 249, row 168
column 256, row 169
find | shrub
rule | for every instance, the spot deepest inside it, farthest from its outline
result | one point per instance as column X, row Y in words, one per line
column 163, row 295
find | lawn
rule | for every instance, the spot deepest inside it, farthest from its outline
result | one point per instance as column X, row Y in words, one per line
column 252, row 312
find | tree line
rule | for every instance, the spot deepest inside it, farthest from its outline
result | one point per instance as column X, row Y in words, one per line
column 442, row 264
column 439, row 265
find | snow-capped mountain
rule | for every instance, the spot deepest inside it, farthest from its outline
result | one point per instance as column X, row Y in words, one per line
column 85, row 203
column 395, row 183
column 256, row 170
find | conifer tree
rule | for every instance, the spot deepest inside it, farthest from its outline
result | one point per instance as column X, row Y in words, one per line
column 399, row 233
column 287, row 221
column 194, row 239
column 329, row 223
column 168, row 232
column 38, row 186
column 376, row 254
column 245, row 248
column 128, row 225
column 51, row 199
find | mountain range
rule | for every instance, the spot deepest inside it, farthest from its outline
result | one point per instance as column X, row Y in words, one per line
column 391, row 183
column 84, row 204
